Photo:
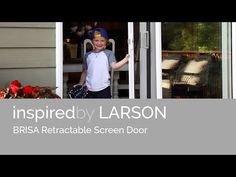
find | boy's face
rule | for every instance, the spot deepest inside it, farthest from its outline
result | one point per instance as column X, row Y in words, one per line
column 99, row 43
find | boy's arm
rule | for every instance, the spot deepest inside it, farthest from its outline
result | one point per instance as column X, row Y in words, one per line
column 83, row 77
column 118, row 65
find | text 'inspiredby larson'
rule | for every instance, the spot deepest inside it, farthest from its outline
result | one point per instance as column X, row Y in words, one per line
column 100, row 112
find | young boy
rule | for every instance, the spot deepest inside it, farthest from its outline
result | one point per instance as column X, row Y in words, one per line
column 97, row 64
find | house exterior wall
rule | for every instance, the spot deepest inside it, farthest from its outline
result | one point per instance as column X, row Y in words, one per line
column 28, row 53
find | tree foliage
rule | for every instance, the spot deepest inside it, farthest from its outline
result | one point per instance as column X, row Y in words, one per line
column 194, row 36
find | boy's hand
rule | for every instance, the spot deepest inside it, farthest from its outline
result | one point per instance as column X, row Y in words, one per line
column 127, row 57
column 77, row 85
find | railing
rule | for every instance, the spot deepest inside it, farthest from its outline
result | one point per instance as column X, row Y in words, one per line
column 189, row 54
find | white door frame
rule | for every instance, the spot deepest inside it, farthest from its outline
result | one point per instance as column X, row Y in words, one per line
column 156, row 59
column 234, row 59
column 131, row 59
column 59, row 59
column 226, row 60
column 144, row 46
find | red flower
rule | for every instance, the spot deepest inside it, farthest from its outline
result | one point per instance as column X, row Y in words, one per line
column 27, row 90
column 2, row 94
column 16, row 90
column 15, row 86
column 35, row 91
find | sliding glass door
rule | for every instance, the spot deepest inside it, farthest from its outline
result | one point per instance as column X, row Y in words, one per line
column 168, row 59
column 196, row 60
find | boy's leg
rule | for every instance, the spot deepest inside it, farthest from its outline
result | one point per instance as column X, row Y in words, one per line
column 105, row 93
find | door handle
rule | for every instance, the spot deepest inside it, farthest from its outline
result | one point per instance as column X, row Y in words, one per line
column 145, row 40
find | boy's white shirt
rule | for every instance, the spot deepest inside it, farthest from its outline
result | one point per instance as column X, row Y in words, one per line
column 98, row 66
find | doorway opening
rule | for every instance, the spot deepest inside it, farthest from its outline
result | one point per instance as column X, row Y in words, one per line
column 74, row 35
